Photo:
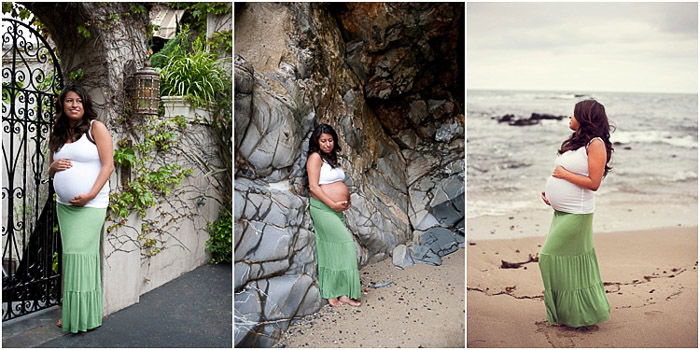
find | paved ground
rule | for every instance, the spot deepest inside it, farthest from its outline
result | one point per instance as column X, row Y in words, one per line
column 191, row 311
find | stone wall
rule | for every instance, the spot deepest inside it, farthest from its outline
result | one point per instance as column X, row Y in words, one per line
column 388, row 79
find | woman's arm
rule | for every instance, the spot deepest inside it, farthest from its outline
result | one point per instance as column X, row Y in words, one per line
column 105, row 149
column 313, row 168
column 597, row 157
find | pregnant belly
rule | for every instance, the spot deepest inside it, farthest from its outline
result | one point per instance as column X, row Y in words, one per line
column 337, row 191
column 564, row 195
column 76, row 180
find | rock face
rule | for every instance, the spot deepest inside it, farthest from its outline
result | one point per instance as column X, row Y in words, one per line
column 387, row 77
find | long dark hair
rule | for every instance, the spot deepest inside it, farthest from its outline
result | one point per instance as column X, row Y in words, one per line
column 62, row 131
column 593, row 122
column 331, row 158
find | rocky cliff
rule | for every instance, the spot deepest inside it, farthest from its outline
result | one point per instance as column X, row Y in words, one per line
column 389, row 79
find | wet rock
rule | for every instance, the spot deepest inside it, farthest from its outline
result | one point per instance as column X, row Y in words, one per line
column 524, row 122
column 534, row 119
column 544, row 116
column 506, row 118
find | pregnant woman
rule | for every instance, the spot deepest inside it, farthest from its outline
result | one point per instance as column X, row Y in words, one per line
column 81, row 163
column 338, row 276
column 573, row 291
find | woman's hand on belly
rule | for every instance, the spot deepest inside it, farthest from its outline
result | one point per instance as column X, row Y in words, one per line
column 61, row 164
column 560, row 173
column 545, row 200
column 341, row 206
column 81, row 199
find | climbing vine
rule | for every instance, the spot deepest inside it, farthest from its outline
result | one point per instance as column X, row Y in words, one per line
column 194, row 61
column 148, row 181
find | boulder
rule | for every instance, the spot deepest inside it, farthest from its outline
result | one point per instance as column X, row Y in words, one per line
column 401, row 257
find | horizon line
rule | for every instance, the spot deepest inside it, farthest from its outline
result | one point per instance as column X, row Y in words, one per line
column 584, row 91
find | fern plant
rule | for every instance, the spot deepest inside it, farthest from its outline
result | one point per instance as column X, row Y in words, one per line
column 194, row 75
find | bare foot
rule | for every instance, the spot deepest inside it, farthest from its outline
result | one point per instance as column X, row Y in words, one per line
column 345, row 300
column 59, row 323
column 334, row 302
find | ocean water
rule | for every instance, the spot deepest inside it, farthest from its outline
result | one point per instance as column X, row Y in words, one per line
column 655, row 158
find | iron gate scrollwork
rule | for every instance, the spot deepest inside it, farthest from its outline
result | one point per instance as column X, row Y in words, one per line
column 31, row 80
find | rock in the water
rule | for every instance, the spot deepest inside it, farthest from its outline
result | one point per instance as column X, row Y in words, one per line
column 506, row 118
column 524, row 122
column 545, row 116
column 534, row 119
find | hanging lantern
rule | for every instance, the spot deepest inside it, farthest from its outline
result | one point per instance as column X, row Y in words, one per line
column 145, row 90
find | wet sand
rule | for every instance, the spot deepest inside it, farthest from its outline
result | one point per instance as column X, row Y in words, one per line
column 424, row 307
column 651, row 283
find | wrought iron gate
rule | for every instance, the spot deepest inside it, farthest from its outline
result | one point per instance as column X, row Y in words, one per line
column 31, row 79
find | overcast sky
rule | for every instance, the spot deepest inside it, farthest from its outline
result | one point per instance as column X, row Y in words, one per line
column 632, row 47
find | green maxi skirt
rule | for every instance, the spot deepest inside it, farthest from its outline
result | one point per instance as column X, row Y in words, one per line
column 573, row 290
column 336, row 256
column 81, row 228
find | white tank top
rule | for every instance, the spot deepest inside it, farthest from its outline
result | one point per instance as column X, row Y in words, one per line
column 82, row 175
column 566, row 196
column 330, row 175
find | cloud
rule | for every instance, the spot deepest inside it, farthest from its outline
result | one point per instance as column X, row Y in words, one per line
column 618, row 46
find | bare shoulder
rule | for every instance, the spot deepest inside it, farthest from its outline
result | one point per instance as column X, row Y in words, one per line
column 596, row 146
column 99, row 126
column 99, row 131
column 314, row 158
column 596, row 143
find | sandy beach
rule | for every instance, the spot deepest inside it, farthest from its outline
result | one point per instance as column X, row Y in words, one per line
column 423, row 307
column 651, row 283
column 612, row 216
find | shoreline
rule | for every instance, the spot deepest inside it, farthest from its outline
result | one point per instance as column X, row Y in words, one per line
column 609, row 218
column 650, row 278
column 416, row 310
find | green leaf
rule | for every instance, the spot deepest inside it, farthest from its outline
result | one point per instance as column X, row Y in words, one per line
column 84, row 31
